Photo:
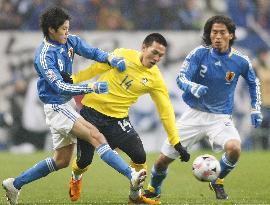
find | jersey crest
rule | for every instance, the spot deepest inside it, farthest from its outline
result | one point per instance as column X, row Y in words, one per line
column 230, row 76
column 70, row 52
column 144, row 81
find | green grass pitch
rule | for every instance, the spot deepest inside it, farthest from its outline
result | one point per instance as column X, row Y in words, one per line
column 249, row 183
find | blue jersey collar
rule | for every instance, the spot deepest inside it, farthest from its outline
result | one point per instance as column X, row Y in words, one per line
column 50, row 41
column 215, row 52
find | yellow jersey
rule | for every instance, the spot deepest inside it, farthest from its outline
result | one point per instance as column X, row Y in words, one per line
column 125, row 88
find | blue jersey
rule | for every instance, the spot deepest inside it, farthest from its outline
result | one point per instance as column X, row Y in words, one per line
column 220, row 73
column 52, row 58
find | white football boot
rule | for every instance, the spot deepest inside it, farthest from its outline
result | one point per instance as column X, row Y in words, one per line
column 138, row 178
column 12, row 193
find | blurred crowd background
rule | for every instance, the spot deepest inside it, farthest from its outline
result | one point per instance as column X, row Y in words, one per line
column 134, row 14
column 21, row 132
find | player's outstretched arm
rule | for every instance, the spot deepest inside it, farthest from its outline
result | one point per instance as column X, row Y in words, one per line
column 97, row 87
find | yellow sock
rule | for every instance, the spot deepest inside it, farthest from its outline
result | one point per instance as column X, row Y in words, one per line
column 138, row 167
column 76, row 170
column 219, row 181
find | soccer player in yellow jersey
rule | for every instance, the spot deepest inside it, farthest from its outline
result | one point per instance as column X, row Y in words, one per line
column 109, row 113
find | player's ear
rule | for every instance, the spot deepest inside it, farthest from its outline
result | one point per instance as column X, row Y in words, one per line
column 52, row 30
column 231, row 36
column 143, row 47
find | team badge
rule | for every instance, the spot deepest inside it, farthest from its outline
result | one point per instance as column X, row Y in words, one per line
column 50, row 75
column 230, row 76
column 144, row 81
column 70, row 52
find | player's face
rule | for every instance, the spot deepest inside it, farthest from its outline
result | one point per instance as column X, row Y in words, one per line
column 151, row 55
column 220, row 37
column 60, row 35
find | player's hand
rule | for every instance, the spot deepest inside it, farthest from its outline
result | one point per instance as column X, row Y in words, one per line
column 100, row 87
column 256, row 118
column 117, row 62
column 66, row 77
column 184, row 155
column 198, row 90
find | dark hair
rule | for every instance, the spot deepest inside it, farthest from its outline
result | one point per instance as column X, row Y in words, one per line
column 218, row 19
column 157, row 37
column 53, row 17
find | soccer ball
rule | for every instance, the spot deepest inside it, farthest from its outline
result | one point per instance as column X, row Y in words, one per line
column 206, row 168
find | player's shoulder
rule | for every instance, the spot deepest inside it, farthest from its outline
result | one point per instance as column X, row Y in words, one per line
column 45, row 49
column 124, row 52
column 199, row 51
column 73, row 39
column 239, row 55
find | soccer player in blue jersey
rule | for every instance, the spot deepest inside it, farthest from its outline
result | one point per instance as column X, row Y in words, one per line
column 56, row 55
column 208, row 77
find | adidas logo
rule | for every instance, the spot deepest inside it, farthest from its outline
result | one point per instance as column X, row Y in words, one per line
column 218, row 63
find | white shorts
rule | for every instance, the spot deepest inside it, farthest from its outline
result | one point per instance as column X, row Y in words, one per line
column 61, row 119
column 195, row 125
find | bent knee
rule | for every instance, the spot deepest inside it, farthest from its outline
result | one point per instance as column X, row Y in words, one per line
column 63, row 163
column 97, row 136
column 139, row 157
column 163, row 162
column 84, row 162
column 233, row 148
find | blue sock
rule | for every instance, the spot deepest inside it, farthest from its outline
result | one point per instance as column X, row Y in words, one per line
column 157, row 177
column 39, row 170
column 226, row 166
column 114, row 160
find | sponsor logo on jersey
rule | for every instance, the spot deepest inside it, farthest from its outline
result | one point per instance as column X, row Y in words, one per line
column 230, row 76
column 50, row 75
column 144, row 81
column 70, row 52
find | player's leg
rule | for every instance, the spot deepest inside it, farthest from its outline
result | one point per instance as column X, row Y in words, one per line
column 159, row 170
column 103, row 149
column 60, row 126
column 227, row 163
column 131, row 144
column 91, row 134
column 61, row 159
column 230, row 157
column 226, row 138
column 189, row 135
column 88, row 132
column 85, row 153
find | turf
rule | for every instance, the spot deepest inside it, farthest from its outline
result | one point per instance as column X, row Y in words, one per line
column 249, row 183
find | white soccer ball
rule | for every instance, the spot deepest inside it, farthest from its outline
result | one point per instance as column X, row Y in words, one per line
column 206, row 168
